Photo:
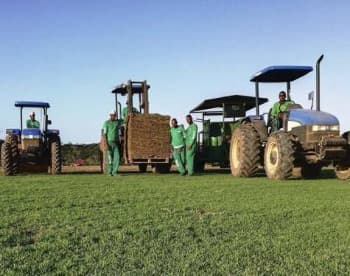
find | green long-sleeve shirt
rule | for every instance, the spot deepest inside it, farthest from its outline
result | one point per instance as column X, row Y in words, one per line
column 191, row 134
column 32, row 124
column 177, row 136
column 111, row 130
column 279, row 107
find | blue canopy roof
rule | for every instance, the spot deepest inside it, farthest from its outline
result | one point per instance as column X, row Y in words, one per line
column 31, row 104
column 281, row 73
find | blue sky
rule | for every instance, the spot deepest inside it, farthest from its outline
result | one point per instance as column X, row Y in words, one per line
column 72, row 53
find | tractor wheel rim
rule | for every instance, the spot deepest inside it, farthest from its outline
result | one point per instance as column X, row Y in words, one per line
column 236, row 152
column 272, row 156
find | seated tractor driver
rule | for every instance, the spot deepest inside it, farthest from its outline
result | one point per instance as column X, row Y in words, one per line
column 32, row 123
column 125, row 112
column 278, row 110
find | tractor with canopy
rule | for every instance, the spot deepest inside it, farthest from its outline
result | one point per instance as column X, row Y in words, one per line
column 306, row 141
column 219, row 118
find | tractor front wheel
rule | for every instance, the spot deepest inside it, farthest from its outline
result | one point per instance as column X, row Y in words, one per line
column 56, row 160
column 279, row 156
column 245, row 151
column 342, row 171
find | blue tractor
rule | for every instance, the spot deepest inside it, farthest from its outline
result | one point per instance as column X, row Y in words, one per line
column 31, row 148
column 306, row 140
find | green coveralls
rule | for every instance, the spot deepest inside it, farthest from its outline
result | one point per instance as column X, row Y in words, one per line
column 32, row 124
column 111, row 130
column 278, row 108
column 177, row 135
column 191, row 142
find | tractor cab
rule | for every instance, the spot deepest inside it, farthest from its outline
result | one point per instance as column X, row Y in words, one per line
column 219, row 118
column 280, row 74
column 32, row 132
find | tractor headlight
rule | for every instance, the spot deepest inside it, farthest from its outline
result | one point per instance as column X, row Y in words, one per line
column 325, row 128
column 319, row 128
column 334, row 128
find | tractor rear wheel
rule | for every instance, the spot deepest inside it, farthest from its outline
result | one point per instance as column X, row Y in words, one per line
column 245, row 151
column 279, row 156
column 6, row 159
column 12, row 141
column 56, row 158
column 342, row 171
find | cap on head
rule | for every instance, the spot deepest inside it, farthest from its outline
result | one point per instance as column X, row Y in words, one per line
column 112, row 112
column 32, row 113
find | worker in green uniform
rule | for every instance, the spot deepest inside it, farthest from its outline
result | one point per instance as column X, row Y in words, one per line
column 31, row 122
column 277, row 111
column 111, row 132
column 177, row 141
column 125, row 112
column 191, row 144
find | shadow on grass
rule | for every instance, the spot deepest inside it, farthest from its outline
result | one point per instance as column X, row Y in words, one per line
column 326, row 173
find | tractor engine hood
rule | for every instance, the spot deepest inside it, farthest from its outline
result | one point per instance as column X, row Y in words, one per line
column 312, row 117
column 31, row 133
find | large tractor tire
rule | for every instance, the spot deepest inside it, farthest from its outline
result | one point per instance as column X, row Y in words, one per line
column 245, row 147
column 56, row 156
column 6, row 159
column 342, row 171
column 12, row 141
column 279, row 156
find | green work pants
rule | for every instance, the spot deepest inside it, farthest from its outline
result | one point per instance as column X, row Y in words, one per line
column 179, row 156
column 112, row 158
column 190, row 154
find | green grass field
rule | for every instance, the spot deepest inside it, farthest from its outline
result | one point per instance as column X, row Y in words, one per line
column 167, row 224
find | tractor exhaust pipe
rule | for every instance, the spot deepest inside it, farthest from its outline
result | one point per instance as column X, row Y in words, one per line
column 318, row 93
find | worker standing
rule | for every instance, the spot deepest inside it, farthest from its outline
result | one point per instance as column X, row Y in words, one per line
column 111, row 136
column 177, row 141
column 191, row 144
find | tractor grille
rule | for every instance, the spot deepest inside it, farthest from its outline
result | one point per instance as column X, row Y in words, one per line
column 30, row 143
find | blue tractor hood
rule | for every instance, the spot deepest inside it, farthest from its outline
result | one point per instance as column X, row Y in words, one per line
column 312, row 117
column 31, row 132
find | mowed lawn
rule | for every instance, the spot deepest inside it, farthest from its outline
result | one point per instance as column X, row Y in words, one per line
column 167, row 224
